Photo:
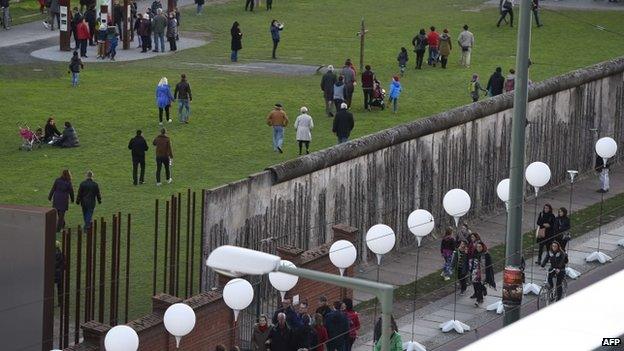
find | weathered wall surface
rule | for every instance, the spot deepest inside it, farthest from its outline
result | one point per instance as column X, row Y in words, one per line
column 381, row 178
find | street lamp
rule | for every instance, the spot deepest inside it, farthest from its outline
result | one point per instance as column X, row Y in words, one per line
column 121, row 338
column 236, row 261
column 179, row 320
column 342, row 254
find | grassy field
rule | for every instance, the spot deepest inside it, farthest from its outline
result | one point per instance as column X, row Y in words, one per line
column 228, row 138
column 25, row 11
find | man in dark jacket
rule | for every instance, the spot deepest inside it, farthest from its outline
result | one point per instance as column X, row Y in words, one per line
column 292, row 318
column 368, row 82
column 496, row 83
column 91, row 17
column 76, row 18
column 281, row 336
column 164, row 155
column 327, row 86
column 88, row 192
column 159, row 25
column 69, row 138
column 343, row 124
column 138, row 145
column 182, row 92
column 337, row 326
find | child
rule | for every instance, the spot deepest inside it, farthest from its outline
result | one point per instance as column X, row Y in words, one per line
column 395, row 91
column 447, row 247
column 74, row 67
column 101, row 39
column 474, row 88
column 111, row 36
column 402, row 58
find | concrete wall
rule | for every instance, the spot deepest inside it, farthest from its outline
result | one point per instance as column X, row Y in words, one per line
column 384, row 176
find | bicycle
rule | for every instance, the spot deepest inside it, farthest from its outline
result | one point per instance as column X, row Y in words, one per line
column 548, row 294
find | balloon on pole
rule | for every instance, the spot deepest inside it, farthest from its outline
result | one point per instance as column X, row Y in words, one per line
column 606, row 148
column 456, row 203
column 380, row 239
column 502, row 191
column 179, row 320
column 420, row 223
column 537, row 174
column 342, row 254
column 121, row 338
column 238, row 294
column 282, row 281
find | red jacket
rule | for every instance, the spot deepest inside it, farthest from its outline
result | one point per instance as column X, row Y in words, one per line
column 433, row 38
column 82, row 31
column 321, row 333
column 354, row 323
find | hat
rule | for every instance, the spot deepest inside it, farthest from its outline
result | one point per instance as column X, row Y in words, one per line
column 278, row 105
column 445, row 30
column 343, row 106
column 304, row 109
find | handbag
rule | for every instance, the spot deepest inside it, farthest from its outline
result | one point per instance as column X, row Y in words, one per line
column 540, row 233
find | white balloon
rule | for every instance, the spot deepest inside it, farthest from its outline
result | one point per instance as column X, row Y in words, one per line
column 456, row 203
column 121, row 338
column 502, row 190
column 179, row 320
column 282, row 281
column 420, row 223
column 537, row 174
column 380, row 239
column 606, row 147
column 238, row 294
column 342, row 254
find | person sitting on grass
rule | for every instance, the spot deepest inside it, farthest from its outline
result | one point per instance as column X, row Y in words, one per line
column 69, row 138
column 50, row 130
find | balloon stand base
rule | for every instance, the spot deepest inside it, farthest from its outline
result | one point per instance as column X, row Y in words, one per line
column 496, row 306
column 456, row 325
column 598, row 256
column 531, row 288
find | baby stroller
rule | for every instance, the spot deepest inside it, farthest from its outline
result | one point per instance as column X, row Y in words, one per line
column 30, row 139
column 379, row 95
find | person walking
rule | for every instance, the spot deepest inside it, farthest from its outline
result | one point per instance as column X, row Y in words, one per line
column 138, row 146
column 481, row 272
column 182, row 93
column 474, row 88
column 433, row 40
column 420, row 46
column 343, row 124
column 74, row 67
column 303, row 126
column 269, row 5
column 459, row 265
column 61, row 193
column 91, row 17
column 76, row 18
column 466, row 43
column 545, row 229
column 164, row 155
column 260, row 334
column 510, row 81
column 396, row 343
column 163, row 99
column 395, row 91
column 159, row 24
column 249, row 4
column 368, row 84
column 402, row 59
column 535, row 7
column 88, row 193
column 144, row 27
column 349, row 81
column 561, row 228
column 327, row 86
column 280, row 336
column 558, row 260
column 275, row 30
column 602, row 168
column 236, row 44
column 112, row 36
column 172, row 30
column 506, row 7
column 199, row 7
column 101, row 39
column 496, row 83
column 447, row 247
column 446, row 46
column 337, row 325
column 82, row 35
column 54, row 10
column 278, row 120
column 6, row 15
column 339, row 93
column 354, row 322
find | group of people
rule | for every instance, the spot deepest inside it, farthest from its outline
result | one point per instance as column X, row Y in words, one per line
column 52, row 136
column 440, row 47
column 332, row 327
column 62, row 194
column 496, row 85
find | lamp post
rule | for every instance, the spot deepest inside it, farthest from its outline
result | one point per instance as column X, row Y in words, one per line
column 237, row 261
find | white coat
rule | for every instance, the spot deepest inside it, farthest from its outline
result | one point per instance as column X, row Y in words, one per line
column 304, row 125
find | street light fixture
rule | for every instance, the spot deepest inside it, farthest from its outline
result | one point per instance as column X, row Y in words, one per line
column 236, row 261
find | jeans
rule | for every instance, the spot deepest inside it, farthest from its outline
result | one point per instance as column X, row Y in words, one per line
column 278, row 137
column 478, row 291
column 536, row 14
column 433, row 55
column 136, row 162
column 199, row 8
column 5, row 17
column 159, row 37
column 604, row 179
column 395, row 104
column 465, row 57
column 420, row 55
column 560, row 277
column 160, row 161
column 447, row 270
column 329, row 103
column 234, row 56
column 275, row 42
column 183, row 104
column 342, row 139
column 75, row 76
column 368, row 96
column 51, row 20
column 112, row 51
column 87, row 215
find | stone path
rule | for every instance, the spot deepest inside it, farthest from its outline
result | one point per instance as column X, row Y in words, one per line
column 427, row 325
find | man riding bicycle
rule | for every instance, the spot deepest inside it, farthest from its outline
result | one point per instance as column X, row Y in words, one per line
column 558, row 260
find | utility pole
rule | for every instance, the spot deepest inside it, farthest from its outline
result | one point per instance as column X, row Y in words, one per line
column 126, row 25
column 513, row 250
column 362, row 35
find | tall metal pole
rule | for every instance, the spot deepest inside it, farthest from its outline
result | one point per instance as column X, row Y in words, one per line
column 513, row 250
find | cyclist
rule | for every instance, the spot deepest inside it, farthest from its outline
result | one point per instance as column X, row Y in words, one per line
column 558, row 260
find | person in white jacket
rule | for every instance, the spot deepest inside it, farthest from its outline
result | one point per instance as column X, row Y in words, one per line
column 303, row 126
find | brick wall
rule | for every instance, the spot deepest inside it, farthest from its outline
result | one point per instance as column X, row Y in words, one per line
column 215, row 320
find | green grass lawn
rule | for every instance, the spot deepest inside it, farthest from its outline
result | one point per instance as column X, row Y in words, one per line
column 25, row 11
column 228, row 138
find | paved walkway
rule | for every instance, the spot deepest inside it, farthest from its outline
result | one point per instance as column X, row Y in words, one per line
column 428, row 319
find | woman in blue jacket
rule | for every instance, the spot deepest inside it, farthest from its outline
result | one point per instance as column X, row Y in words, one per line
column 163, row 99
